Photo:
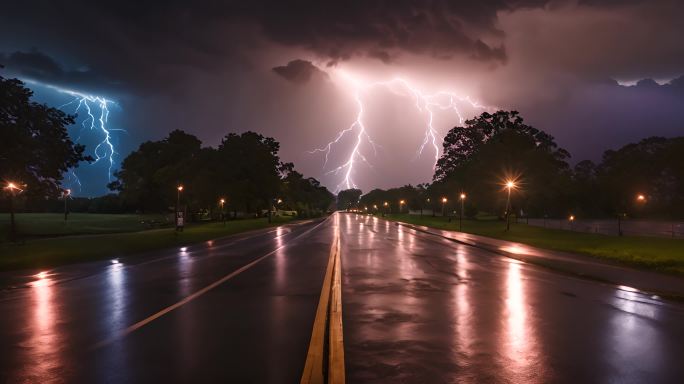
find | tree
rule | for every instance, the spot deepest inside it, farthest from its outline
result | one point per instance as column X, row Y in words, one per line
column 494, row 147
column 149, row 175
column 249, row 169
column 305, row 195
column 36, row 150
column 348, row 198
column 653, row 167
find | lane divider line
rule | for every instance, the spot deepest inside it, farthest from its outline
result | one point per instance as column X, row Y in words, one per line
column 195, row 295
column 328, row 321
column 336, row 371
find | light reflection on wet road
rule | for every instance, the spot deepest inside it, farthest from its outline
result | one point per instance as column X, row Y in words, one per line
column 421, row 309
column 416, row 308
column 255, row 327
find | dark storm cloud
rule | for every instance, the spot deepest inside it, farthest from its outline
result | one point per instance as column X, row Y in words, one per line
column 209, row 67
column 299, row 71
column 38, row 66
column 146, row 46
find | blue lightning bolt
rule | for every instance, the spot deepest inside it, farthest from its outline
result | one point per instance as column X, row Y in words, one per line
column 428, row 103
column 97, row 110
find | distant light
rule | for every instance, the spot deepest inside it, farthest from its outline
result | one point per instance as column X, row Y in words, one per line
column 463, row 196
column 222, row 201
column 626, row 288
column 402, row 202
column 184, row 249
column 571, row 218
column 510, row 184
column 444, row 199
column 641, row 197
column 180, row 188
column 42, row 274
column 13, row 187
column 115, row 261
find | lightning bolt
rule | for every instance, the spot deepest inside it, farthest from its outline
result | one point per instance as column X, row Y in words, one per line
column 97, row 110
column 426, row 103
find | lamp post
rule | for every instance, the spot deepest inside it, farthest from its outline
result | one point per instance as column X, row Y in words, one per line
column 510, row 184
column 65, row 195
column 179, row 222
column 401, row 205
column 12, row 189
column 460, row 217
column 384, row 211
column 571, row 219
column 223, row 214
column 444, row 201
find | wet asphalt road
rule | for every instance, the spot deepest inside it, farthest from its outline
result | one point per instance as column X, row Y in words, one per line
column 253, row 328
column 416, row 308
column 422, row 309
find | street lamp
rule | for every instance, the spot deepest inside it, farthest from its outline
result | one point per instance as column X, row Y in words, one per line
column 401, row 205
column 510, row 185
column 460, row 218
column 444, row 201
column 571, row 219
column 12, row 188
column 222, row 202
column 65, row 195
column 179, row 189
column 641, row 198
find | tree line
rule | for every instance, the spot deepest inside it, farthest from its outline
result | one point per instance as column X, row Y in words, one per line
column 644, row 179
column 243, row 174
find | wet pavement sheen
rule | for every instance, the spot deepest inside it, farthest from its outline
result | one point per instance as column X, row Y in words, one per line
column 254, row 328
column 416, row 309
column 420, row 309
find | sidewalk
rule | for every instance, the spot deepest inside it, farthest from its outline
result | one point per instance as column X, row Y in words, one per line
column 626, row 278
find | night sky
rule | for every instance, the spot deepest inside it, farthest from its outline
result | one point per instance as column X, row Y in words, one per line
column 595, row 74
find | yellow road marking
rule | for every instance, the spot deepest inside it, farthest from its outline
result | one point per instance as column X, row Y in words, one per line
column 328, row 317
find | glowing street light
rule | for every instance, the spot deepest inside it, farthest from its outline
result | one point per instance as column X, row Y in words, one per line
column 179, row 221
column 401, row 204
column 510, row 185
column 444, row 201
column 12, row 188
column 641, row 198
column 571, row 219
column 222, row 202
column 460, row 217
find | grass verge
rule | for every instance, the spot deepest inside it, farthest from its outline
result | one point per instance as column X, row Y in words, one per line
column 52, row 252
column 40, row 225
column 660, row 254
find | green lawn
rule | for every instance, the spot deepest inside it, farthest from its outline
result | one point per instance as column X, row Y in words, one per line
column 655, row 253
column 51, row 252
column 35, row 225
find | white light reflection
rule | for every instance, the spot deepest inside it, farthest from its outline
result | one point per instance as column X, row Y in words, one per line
column 43, row 347
column 633, row 336
column 464, row 311
column 185, row 264
column 519, row 345
column 280, row 270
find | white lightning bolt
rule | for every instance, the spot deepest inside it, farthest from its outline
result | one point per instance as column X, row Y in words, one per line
column 427, row 103
column 105, row 148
